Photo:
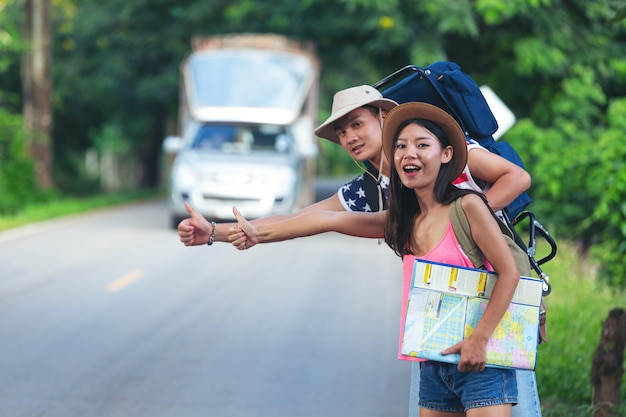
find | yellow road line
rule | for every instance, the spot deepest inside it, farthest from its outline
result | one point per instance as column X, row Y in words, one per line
column 125, row 281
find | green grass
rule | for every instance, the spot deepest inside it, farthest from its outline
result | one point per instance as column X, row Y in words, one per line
column 59, row 207
column 577, row 307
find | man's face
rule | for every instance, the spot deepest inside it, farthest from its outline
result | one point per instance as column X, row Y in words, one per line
column 360, row 134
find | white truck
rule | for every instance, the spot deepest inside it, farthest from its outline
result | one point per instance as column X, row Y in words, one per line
column 248, row 104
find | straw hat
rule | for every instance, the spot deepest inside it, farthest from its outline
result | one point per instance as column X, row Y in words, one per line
column 426, row 111
column 350, row 99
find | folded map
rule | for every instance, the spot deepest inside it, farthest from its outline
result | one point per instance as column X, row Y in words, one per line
column 447, row 302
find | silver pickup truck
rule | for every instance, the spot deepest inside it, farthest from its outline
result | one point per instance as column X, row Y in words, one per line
column 247, row 111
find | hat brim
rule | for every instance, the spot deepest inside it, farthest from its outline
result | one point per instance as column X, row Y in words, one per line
column 426, row 111
column 327, row 131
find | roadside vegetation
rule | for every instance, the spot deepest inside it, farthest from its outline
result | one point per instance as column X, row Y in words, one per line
column 55, row 207
column 577, row 307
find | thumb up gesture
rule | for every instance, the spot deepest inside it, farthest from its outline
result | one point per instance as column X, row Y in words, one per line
column 195, row 230
column 244, row 235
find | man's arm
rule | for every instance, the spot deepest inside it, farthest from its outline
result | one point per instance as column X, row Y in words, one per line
column 507, row 179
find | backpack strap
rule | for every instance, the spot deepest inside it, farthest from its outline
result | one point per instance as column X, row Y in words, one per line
column 463, row 233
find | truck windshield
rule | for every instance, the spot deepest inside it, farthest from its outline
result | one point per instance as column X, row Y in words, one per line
column 241, row 139
column 250, row 78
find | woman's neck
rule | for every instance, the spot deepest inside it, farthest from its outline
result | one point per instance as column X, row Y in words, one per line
column 426, row 200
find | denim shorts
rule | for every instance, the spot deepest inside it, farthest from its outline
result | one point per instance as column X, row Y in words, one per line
column 444, row 388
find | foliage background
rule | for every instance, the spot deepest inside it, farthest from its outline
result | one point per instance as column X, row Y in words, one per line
column 559, row 65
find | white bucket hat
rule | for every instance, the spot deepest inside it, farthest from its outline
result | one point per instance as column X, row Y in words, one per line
column 350, row 99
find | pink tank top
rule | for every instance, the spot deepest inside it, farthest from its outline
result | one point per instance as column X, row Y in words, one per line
column 448, row 251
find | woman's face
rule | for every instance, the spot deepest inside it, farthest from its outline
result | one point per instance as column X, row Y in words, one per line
column 418, row 156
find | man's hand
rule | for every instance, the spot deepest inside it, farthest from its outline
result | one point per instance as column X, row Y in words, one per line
column 195, row 230
column 244, row 235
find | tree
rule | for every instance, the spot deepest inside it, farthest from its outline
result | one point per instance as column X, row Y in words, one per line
column 17, row 179
column 37, row 88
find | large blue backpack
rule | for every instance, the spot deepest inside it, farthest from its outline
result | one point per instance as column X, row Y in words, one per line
column 446, row 86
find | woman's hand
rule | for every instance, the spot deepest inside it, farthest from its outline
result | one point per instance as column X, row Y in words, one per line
column 473, row 354
column 244, row 235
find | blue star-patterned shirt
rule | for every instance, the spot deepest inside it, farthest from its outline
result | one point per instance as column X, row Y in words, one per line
column 352, row 194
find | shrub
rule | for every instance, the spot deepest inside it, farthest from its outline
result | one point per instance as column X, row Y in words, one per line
column 577, row 307
column 18, row 185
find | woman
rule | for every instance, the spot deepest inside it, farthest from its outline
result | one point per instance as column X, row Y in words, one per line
column 427, row 150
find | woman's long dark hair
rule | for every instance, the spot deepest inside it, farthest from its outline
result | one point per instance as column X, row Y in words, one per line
column 403, row 205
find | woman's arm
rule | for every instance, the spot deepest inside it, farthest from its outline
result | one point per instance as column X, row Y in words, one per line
column 359, row 224
column 489, row 238
column 508, row 180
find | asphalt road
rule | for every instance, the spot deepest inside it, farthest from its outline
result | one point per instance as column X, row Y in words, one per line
column 107, row 314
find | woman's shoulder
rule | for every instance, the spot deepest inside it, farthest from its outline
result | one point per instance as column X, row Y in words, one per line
column 473, row 203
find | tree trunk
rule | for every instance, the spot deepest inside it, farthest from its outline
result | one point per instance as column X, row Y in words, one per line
column 37, row 89
column 608, row 365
